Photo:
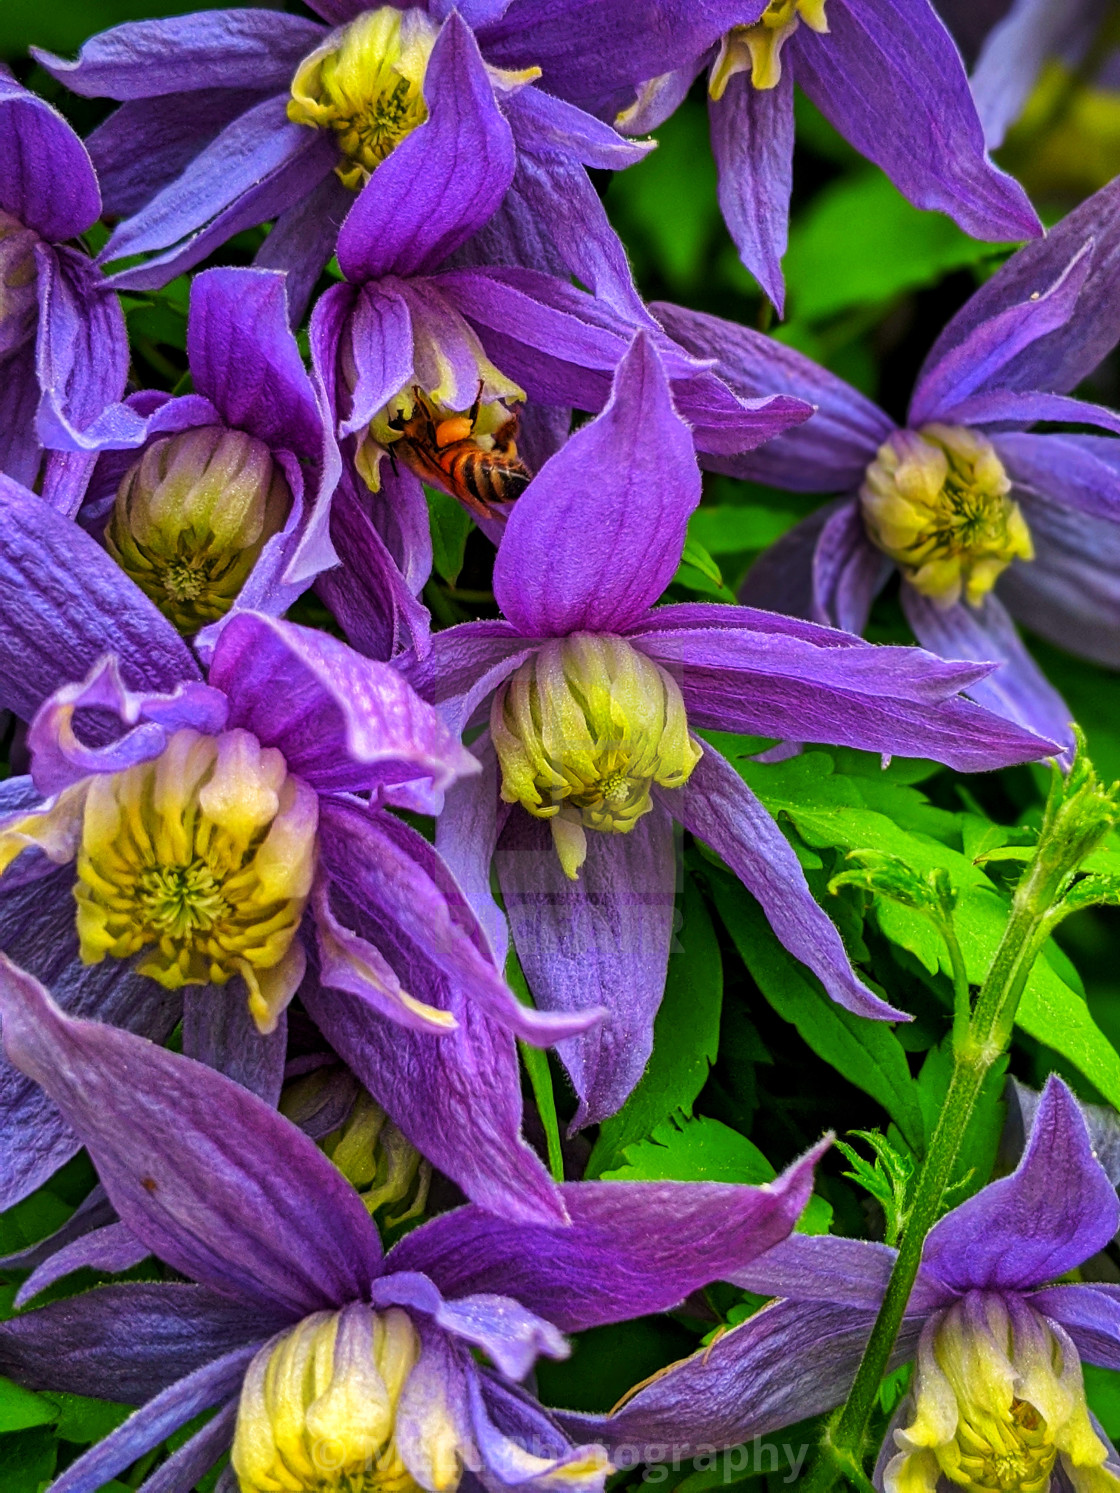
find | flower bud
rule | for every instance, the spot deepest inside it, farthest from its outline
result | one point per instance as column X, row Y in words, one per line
column 201, row 860
column 583, row 730
column 191, row 518
column 998, row 1404
column 937, row 501
column 757, row 49
column 381, row 1163
column 319, row 1409
column 19, row 293
column 366, row 84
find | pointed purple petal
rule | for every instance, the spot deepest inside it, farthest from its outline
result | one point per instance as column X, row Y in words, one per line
column 1090, row 1314
column 213, row 1181
column 302, row 240
column 1022, row 407
column 891, row 80
column 46, row 178
column 443, row 181
column 752, row 141
column 111, row 1249
column 781, row 579
column 219, row 1031
column 601, row 940
column 1081, row 471
column 556, row 573
column 20, row 451
column 632, row 1248
column 465, row 665
column 719, row 808
column 379, row 333
column 1018, row 690
column 187, row 1465
column 1013, row 55
column 1055, row 1210
column 848, row 571
column 467, row 837
column 546, row 122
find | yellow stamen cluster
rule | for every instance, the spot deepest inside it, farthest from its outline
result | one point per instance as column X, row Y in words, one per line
column 201, row 860
column 757, row 49
column 319, row 1408
column 19, row 295
column 191, row 518
column 998, row 1403
column 583, row 730
column 937, row 501
column 366, row 84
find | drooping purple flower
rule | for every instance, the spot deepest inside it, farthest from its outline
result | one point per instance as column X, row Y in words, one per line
column 261, row 115
column 589, row 760
column 63, row 348
column 324, row 1361
column 966, row 496
column 996, row 1399
column 885, row 72
column 206, row 849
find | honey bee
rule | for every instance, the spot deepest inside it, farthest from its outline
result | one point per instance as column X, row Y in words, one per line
column 445, row 453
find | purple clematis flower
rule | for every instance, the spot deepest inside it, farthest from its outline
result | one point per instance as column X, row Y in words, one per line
column 885, row 72
column 63, row 348
column 966, row 496
column 260, row 115
column 326, row 1363
column 206, row 506
column 205, row 850
column 589, row 759
column 996, row 1399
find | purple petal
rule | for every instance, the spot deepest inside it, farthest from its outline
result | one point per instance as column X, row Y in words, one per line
column 830, row 453
column 46, row 178
column 632, row 1248
column 1062, row 359
column 129, row 1342
column 1091, row 1316
column 557, row 574
column 379, row 329
column 212, row 49
column 176, row 1145
column 1012, row 406
column 467, row 837
column 94, row 1212
column 752, row 141
column 188, row 1464
column 464, row 665
column 1078, row 471
column 601, row 940
column 244, row 359
column 1055, row 1210
column 848, row 571
column 302, row 240
column 111, row 1249
column 1012, row 57
column 544, row 122
column 848, row 1272
column 718, row 807
column 67, row 605
column 504, row 1420
column 782, row 579
column 1018, row 690
column 443, row 181
column 891, row 80
column 343, row 722
column 219, row 1031
column 154, row 1422
column 20, row 451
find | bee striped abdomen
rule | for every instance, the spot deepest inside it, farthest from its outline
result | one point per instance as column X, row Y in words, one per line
column 488, row 476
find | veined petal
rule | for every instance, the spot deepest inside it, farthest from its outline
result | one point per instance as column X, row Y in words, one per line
column 46, row 178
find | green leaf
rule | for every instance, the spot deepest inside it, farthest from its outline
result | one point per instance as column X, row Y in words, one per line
column 1102, row 1388
column 730, row 528
column 696, row 555
column 686, row 1038
column 451, row 524
column 867, row 1053
column 84, row 1420
column 20, row 1408
column 28, row 1459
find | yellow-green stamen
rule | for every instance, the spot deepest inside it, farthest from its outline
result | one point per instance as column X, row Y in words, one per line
column 757, row 49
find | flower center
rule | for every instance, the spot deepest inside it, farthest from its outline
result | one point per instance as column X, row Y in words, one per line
column 757, row 49
column 19, row 295
column 201, row 860
column 319, row 1409
column 366, row 84
column 937, row 501
column 583, row 730
column 191, row 518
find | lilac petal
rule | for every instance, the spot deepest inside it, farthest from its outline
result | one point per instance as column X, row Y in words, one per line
column 46, row 178
column 781, row 579
column 999, row 406
column 464, row 665
column 467, row 837
column 81, row 356
column 302, row 240
column 978, row 362
column 129, row 1342
column 557, row 574
column 602, row 939
column 1062, row 359
column 379, row 330
column 1055, row 1210
column 212, row 49
column 496, row 1412
column 1012, row 57
column 244, row 359
column 399, row 513
column 848, row 1272
column 219, row 1031
column 790, row 1361
column 831, row 452
column 1017, row 689
column 443, row 181
column 20, row 451
column 632, row 1248
column 848, row 571
column 456, row 1097
column 110, row 1249
column 94, row 1212
column 343, row 722
column 718, row 807
column 257, row 168
column 752, row 141
column 545, row 122
column 154, row 1422
column 893, row 83
column 1090, row 1314
column 174, row 1142
column 1078, row 471
column 189, row 1463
